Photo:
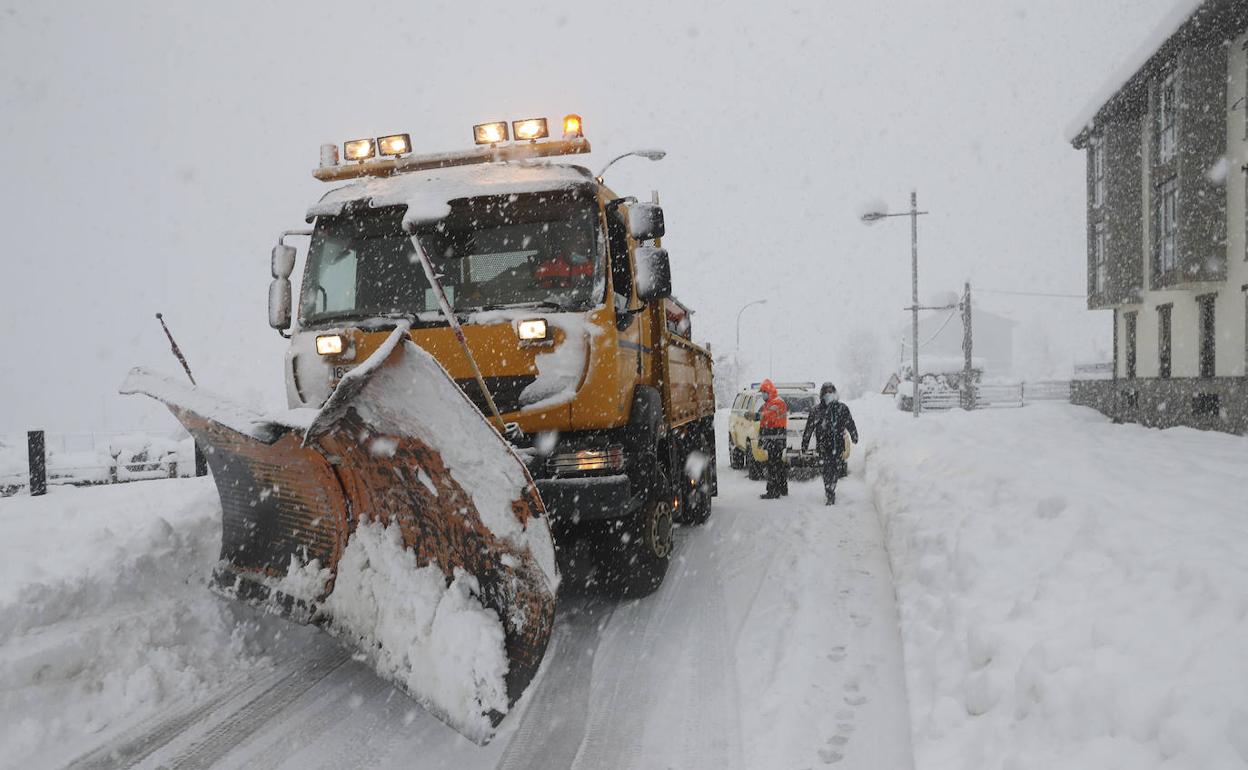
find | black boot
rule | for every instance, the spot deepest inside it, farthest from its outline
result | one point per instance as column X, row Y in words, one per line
column 831, row 499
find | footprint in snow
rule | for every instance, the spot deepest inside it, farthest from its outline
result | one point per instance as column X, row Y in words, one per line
column 860, row 620
column 830, row 756
column 855, row 699
column 838, row 653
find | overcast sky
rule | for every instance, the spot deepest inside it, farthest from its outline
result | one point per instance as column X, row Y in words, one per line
column 155, row 150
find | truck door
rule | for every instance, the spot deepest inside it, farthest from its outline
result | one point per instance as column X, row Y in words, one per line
column 631, row 360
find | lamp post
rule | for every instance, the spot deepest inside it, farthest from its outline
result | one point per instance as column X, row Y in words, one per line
column 647, row 154
column 737, row 350
column 913, row 213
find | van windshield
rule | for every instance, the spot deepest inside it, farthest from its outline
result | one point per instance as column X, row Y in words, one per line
column 799, row 404
column 539, row 249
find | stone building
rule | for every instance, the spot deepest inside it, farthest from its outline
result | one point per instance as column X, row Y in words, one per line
column 1167, row 193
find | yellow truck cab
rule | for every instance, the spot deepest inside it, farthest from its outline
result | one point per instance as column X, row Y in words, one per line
column 563, row 291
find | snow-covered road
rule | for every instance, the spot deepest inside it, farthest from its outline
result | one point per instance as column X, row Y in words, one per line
column 773, row 643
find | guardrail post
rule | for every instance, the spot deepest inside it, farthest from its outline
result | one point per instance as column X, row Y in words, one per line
column 201, row 462
column 38, row 462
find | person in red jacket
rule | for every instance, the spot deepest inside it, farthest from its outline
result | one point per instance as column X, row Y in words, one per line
column 773, row 424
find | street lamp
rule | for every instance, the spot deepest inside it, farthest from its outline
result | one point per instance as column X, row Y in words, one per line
column 647, row 154
column 737, row 351
column 914, row 213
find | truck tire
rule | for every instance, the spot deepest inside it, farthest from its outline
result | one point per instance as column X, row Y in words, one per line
column 736, row 460
column 633, row 555
column 695, row 506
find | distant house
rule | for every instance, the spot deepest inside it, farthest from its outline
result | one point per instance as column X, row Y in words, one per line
column 1167, row 216
column 940, row 336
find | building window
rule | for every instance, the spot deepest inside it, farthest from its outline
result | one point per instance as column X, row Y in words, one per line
column 1130, row 343
column 1206, row 405
column 1163, row 341
column 1099, row 263
column 1098, row 171
column 1167, row 226
column 1167, row 119
column 1208, row 355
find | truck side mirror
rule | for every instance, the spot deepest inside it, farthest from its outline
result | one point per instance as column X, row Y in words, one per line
column 279, row 304
column 645, row 221
column 654, row 273
column 283, row 262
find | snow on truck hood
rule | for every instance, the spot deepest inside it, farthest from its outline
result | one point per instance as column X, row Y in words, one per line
column 427, row 194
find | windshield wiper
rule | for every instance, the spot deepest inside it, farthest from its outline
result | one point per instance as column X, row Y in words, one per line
column 545, row 303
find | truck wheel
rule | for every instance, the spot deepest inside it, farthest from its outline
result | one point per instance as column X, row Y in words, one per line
column 753, row 468
column 634, row 555
column 695, row 508
column 736, row 460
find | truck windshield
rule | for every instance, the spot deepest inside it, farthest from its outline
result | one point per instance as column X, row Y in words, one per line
column 492, row 252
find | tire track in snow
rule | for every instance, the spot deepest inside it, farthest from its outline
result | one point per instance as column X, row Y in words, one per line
column 238, row 713
column 552, row 727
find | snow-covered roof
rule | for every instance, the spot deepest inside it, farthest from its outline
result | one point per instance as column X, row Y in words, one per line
column 427, row 194
column 1185, row 15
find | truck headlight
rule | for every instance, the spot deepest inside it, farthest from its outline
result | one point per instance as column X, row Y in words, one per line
column 533, row 330
column 584, row 460
column 330, row 344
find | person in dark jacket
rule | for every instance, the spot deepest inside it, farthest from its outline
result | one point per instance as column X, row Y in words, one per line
column 773, row 424
column 829, row 421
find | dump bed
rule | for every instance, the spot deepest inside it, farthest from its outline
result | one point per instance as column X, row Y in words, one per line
column 689, row 392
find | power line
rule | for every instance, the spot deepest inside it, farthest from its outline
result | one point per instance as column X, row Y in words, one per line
column 1032, row 293
column 932, row 338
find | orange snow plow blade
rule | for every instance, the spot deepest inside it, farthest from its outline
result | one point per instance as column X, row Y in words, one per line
column 397, row 518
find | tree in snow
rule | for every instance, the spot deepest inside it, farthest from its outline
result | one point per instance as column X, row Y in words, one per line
column 862, row 364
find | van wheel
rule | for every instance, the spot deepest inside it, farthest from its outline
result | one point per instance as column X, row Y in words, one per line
column 736, row 460
column 634, row 553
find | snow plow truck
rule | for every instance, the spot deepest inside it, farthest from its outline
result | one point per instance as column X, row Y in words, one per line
column 486, row 369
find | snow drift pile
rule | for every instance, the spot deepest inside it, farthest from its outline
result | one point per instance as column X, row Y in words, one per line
column 1072, row 592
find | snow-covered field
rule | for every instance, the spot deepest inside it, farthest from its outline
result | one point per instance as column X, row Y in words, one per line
column 1073, row 593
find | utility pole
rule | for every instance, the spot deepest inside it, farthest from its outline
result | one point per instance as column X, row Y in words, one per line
column 914, row 296
column 968, row 385
column 914, row 214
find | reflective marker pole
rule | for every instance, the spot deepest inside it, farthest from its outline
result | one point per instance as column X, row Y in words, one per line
column 38, row 463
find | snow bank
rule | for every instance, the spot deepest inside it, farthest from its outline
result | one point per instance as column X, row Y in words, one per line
column 438, row 641
column 106, row 617
column 1072, row 593
column 427, row 194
